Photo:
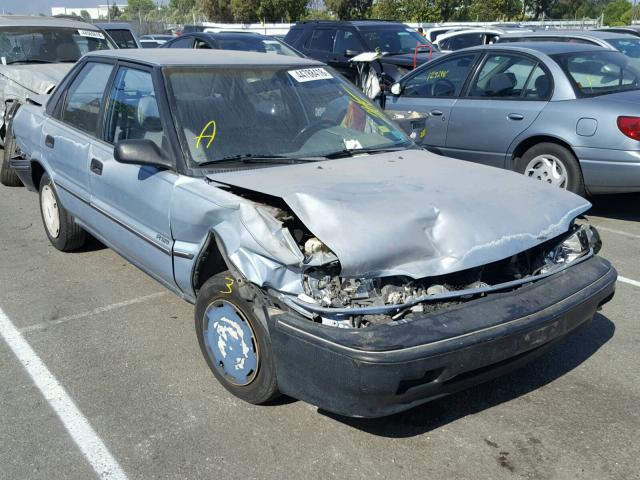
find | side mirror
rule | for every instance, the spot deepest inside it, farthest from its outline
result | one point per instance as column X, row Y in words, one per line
column 140, row 152
column 396, row 89
column 350, row 53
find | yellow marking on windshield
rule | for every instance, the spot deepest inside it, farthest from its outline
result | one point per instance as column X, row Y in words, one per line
column 438, row 74
column 211, row 126
column 364, row 104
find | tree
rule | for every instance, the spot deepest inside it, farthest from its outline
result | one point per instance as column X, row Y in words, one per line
column 346, row 9
column 85, row 15
column 216, row 10
column 245, row 11
column 139, row 7
column 615, row 11
column 114, row 12
column 495, row 10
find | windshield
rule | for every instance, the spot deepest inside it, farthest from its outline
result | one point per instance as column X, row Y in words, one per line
column 597, row 73
column 629, row 46
column 274, row 111
column 48, row 44
column 400, row 40
column 257, row 44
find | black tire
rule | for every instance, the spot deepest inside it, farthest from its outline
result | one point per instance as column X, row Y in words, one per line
column 70, row 236
column 8, row 175
column 574, row 182
column 261, row 384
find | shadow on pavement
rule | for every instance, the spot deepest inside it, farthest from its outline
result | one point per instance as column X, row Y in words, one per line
column 563, row 358
column 623, row 206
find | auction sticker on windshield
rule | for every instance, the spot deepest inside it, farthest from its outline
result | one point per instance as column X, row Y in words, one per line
column 310, row 74
column 91, row 33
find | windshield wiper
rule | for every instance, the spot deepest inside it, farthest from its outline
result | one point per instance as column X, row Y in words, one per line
column 253, row 158
column 350, row 152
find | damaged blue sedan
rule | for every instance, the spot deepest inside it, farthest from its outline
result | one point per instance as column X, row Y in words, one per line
column 327, row 256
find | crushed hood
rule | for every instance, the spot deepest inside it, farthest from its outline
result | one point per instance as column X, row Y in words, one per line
column 415, row 213
column 38, row 78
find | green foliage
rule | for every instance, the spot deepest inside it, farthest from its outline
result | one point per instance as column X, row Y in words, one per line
column 85, row 15
column 139, row 7
column 245, row 11
column 216, row 10
column 615, row 11
column 114, row 12
column 349, row 9
column 495, row 10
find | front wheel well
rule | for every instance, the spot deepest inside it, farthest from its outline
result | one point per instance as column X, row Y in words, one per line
column 209, row 263
column 526, row 144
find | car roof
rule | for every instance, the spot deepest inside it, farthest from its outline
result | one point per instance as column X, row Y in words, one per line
column 355, row 23
column 567, row 33
column 176, row 57
column 463, row 31
column 37, row 21
column 223, row 34
column 547, row 48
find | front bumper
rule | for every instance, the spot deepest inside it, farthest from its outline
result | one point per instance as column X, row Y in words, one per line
column 385, row 369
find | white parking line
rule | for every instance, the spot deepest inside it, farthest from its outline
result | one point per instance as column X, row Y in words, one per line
column 635, row 283
column 96, row 453
column 90, row 313
column 619, row 232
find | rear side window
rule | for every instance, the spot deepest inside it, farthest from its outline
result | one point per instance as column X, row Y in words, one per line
column 322, row 39
column 445, row 79
column 84, row 97
column 347, row 40
column 461, row 41
column 502, row 76
column 123, row 38
column 186, row 42
column 294, row 34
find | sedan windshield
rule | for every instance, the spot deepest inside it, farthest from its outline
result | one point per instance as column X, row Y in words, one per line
column 598, row 73
column 400, row 40
column 277, row 112
column 48, row 44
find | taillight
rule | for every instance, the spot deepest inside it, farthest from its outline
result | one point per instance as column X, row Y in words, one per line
column 630, row 126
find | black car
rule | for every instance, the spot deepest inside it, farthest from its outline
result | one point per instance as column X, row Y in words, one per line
column 241, row 41
column 336, row 43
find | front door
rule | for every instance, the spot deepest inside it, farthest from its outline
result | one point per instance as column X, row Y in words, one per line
column 134, row 200
column 424, row 106
column 503, row 100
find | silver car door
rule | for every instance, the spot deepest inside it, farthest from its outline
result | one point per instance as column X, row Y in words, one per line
column 505, row 97
column 68, row 136
column 424, row 105
column 133, row 200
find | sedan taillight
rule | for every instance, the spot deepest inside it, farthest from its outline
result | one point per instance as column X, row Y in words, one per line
column 630, row 126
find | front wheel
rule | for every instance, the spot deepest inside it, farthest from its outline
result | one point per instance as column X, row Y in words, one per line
column 235, row 344
column 8, row 175
column 552, row 164
column 61, row 229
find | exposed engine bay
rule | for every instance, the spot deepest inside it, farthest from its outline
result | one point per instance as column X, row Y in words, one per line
column 347, row 302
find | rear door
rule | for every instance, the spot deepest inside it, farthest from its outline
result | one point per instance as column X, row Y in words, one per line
column 424, row 106
column 134, row 200
column 345, row 46
column 505, row 96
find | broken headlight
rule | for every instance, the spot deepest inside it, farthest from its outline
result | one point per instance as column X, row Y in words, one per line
column 583, row 240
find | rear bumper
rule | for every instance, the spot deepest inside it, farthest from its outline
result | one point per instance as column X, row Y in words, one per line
column 385, row 369
column 610, row 171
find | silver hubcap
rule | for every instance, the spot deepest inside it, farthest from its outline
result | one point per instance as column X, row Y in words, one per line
column 50, row 212
column 548, row 169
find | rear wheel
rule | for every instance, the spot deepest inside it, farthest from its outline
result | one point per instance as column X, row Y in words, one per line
column 8, row 175
column 552, row 164
column 61, row 229
column 234, row 342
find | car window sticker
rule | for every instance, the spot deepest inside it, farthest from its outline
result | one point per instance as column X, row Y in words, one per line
column 208, row 132
column 310, row 74
column 91, row 33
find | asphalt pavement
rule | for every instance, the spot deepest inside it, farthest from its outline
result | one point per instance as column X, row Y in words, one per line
column 124, row 352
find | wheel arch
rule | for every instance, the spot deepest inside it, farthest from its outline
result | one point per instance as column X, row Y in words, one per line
column 210, row 261
column 37, row 170
column 527, row 143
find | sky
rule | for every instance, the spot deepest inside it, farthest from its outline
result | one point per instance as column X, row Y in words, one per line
column 44, row 6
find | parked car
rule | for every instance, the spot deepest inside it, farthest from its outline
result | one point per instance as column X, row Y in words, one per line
column 566, row 114
column 35, row 53
column 467, row 37
column 241, row 41
column 627, row 44
column 336, row 43
column 328, row 257
column 154, row 41
column 628, row 30
column 433, row 33
column 121, row 33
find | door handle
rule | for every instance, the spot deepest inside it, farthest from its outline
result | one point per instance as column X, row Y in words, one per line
column 515, row 116
column 96, row 166
column 435, row 113
column 49, row 141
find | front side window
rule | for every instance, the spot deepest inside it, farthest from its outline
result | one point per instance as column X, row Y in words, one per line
column 322, row 39
column 48, row 44
column 186, row 42
column 347, row 40
column 445, row 79
column 133, row 110
column 502, row 76
column 598, row 73
column 461, row 41
column 274, row 111
column 123, row 38
column 84, row 97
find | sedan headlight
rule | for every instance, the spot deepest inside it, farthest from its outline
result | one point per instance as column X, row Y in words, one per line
column 584, row 239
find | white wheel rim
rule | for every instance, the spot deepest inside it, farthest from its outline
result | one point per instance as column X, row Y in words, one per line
column 50, row 212
column 548, row 169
